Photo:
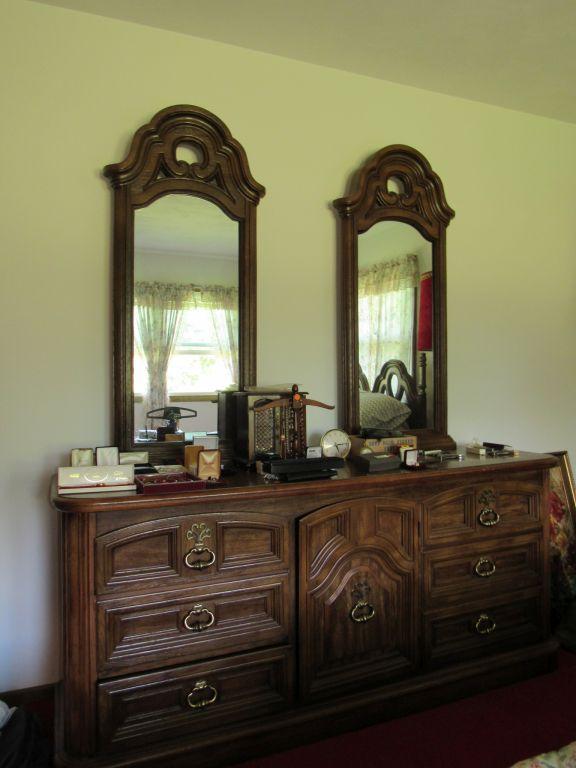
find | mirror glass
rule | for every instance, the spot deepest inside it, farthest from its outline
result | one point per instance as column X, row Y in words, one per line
column 395, row 333
column 185, row 313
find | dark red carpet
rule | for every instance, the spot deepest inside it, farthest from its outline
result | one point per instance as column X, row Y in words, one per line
column 491, row 730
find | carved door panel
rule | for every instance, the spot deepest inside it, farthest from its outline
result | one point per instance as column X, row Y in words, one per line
column 358, row 595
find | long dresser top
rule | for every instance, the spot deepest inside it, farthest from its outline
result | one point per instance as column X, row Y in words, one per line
column 249, row 485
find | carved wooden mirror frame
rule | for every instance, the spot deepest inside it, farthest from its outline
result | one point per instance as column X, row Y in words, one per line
column 422, row 204
column 150, row 170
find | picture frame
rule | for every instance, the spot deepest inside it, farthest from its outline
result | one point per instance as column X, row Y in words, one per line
column 562, row 526
column 562, row 483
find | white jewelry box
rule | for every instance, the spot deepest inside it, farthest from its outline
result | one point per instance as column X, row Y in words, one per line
column 82, row 457
column 107, row 456
column 134, row 457
column 93, row 479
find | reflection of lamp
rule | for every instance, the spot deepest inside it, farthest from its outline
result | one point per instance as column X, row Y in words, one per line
column 424, row 340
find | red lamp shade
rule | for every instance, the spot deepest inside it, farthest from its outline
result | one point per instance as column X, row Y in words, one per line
column 425, row 313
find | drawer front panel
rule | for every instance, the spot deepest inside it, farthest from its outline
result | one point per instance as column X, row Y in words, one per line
column 482, row 570
column 468, row 513
column 199, row 623
column 190, row 550
column 484, row 628
column 148, row 708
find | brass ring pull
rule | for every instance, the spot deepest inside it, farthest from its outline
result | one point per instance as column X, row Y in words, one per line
column 198, row 626
column 362, row 612
column 484, row 624
column 200, row 689
column 488, row 517
column 200, row 564
column 485, row 567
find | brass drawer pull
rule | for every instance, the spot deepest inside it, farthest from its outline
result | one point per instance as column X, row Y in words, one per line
column 198, row 564
column 485, row 567
column 488, row 517
column 197, row 698
column 362, row 612
column 198, row 626
column 484, row 624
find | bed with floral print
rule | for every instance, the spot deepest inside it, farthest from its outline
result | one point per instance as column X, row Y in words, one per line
column 563, row 550
column 563, row 758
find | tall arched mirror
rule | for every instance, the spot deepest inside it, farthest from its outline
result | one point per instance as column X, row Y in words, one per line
column 184, row 277
column 393, row 298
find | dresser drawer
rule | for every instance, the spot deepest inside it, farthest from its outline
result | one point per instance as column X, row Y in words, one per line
column 482, row 570
column 177, row 627
column 144, row 709
column 176, row 551
column 482, row 511
column 483, row 628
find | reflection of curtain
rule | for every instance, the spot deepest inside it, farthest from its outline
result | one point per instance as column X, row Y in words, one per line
column 158, row 312
column 386, row 313
column 223, row 305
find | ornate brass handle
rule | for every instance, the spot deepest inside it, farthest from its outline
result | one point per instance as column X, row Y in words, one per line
column 198, row 626
column 485, row 567
column 200, row 564
column 484, row 624
column 362, row 612
column 488, row 517
column 197, row 698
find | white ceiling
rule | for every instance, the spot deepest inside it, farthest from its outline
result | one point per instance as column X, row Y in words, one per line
column 518, row 54
column 186, row 225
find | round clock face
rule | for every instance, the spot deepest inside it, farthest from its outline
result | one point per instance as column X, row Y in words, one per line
column 335, row 442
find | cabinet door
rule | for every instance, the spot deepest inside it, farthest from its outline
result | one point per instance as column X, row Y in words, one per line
column 358, row 595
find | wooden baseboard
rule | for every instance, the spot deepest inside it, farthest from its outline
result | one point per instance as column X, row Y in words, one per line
column 27, row 696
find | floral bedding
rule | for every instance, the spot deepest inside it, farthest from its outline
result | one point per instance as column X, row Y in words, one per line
column 563, row 758
column 563, row 549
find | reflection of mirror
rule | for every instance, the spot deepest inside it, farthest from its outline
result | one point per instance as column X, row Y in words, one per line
column 185, row 280
column 185, row 304
column 393, row 297
column 394, row 269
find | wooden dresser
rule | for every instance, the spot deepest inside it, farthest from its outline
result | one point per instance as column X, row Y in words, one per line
column 206, row 628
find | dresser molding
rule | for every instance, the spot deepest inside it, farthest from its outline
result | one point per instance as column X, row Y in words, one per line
column 256, row 616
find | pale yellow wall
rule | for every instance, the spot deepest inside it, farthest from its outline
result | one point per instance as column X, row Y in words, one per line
column 74, row 89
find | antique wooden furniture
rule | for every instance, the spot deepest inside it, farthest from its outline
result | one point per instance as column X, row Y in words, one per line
column 183, row 151
column 396, row 184
column 205, row 628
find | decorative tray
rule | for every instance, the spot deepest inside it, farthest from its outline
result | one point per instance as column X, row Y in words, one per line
column 172, row 483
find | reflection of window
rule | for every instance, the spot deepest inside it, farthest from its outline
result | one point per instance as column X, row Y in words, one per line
column 386, row 311
column 185, row 340
column 195, row 364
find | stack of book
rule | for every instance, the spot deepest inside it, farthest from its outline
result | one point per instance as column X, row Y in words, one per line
column 380, row 454
column 490, row 449
column 295, row 470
